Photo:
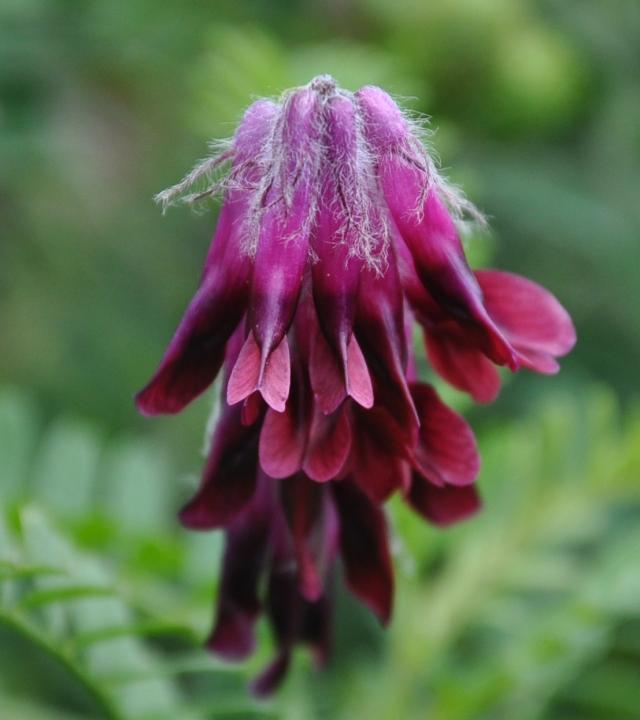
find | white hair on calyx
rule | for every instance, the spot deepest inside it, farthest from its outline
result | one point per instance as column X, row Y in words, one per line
column 284, row 155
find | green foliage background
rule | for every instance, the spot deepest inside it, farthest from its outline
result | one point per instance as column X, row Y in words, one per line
column 529, row 612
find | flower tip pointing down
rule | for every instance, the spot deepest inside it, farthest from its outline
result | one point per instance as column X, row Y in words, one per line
column 335, row 234
column 357, row 379
column 256, row 371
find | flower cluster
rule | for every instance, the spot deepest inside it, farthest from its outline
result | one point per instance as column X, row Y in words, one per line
column 336, row 233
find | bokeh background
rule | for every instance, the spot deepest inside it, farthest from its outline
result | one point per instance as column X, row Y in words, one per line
column 531, row 611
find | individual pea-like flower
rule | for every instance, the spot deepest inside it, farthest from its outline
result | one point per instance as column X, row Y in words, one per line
column 336, row 232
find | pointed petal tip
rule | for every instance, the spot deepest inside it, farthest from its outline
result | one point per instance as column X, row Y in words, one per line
column 194, row 517
column 268, row 373
column 274, row 378
column 275, row 402
column 366, row 402
column 244, row 377
column 149, row 402
column 357, row 378
column 513, row 363
column 381, row 607
column 142, row 404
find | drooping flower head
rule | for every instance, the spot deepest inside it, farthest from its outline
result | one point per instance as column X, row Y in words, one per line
column 335, row 234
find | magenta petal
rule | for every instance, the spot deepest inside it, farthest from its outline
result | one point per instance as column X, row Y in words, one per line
column 538, row 361
column 233, row 637
column 439, row 259
column 443, row 505
column 337, row 270
column 358, row 380
column 385, row 126
column 381, row 332
column 229, row 477
column 535, row 322
column 253, row 372
column 251, row 409
column 326, row 375
column 379, row 453
column 447, row 453
column 277, row 276
column 274, row 383
column 283, row 244
column 270, row 679
column 256, row 126
column 313, row 524
column 364, row 548
column 329, row 445
column 284, row 608
column 282, row 442
column 316, row 627
column 332, row 382
column 465, row 367
column 245, row 374
column 238, row 603
column 196, row 351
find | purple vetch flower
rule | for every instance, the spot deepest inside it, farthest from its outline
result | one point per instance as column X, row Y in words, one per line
column 336, row 232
